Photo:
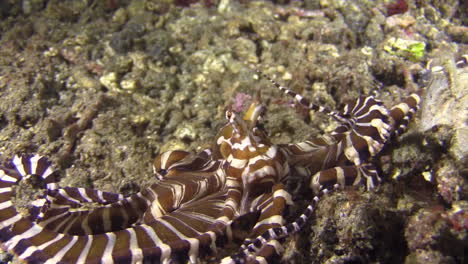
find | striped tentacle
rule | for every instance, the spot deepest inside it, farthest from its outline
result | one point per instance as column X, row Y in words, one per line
column 178, row 161
column 266, row 252
column 34, row 168
column 271, row 212
column 357, row 141
column 59, row 203
column 171, row 193
column 8, row 214
column 271, row 207
column 366, row 131
column 303, row 100
column 371, row 127
column 115, row 216
column 313, row 155
column 402, row 113
column 266, row 245
column 74, row 197
column 270, row 218
column 354, row 175
column 28, row 166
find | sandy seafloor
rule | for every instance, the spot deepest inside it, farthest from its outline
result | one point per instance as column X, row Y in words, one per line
column 101, row 87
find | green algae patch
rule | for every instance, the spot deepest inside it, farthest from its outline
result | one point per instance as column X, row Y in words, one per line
column 410, row 49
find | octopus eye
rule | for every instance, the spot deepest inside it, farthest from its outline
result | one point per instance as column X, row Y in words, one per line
column 162, row 172
column 260, row 127
column 228, row 114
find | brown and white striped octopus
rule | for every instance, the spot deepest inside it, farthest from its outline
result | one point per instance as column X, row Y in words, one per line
column 194, row 206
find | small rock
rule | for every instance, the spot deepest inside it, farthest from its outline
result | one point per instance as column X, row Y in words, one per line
column 84, row 80
column 186, row 132
column 120, row 16
column 109, row 81
column 401, row 21
column 130, row 84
